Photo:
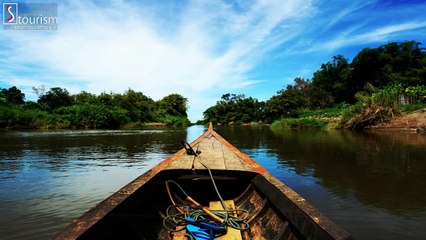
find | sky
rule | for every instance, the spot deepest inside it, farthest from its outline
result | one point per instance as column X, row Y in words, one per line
column 200, row 49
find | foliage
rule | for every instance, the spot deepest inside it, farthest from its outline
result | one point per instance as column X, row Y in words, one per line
column 334, row 78
column 175, row 121
column 93, row 116
column 330, row 112
column 411, row 107
column 391, row 63
column 396, row 70
column 174, row 105
column 377, row 106
column 136, row 103
column 55, row 98
column 403, row 63
column 287, row 101
column 234, row 108
column 388, row 67
column 57, row 108
column 12, row 95
column 84, row 97
column 416, row 94
column 303, row 122
column 13, row 116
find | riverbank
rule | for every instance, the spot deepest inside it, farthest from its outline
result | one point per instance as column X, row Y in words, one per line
column 413, row 122
column 408, row 118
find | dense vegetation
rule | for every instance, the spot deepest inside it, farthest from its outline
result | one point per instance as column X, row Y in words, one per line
column 368, row 90
column 57, row 108
column 359, row 93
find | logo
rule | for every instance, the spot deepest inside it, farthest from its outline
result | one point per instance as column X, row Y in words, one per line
column 10, row 13
column 30, row 16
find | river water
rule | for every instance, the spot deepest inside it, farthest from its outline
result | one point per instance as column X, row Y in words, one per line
column 372, row 184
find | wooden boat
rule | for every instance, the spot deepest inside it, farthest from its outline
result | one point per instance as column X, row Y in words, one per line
column 137, row 210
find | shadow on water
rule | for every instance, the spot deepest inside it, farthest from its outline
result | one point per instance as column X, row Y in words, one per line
column 380, row 176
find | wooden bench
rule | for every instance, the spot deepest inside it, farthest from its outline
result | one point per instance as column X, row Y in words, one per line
column 232, row 234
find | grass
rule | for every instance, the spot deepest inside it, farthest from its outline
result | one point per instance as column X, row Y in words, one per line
column 412, row 107
column 299, row 123
column 175, row 121
column 330, row 112
column 320, row 118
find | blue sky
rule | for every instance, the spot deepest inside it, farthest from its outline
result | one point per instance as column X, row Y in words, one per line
column 200, row 49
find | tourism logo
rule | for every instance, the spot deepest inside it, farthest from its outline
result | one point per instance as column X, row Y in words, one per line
column 30, row 16
column 10, row 12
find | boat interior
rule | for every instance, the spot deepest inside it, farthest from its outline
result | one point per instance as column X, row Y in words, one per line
column 140, row 216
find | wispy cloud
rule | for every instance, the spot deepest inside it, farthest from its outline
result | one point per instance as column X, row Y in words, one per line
column 382, row 34
column 200, row 49
column 210, row 46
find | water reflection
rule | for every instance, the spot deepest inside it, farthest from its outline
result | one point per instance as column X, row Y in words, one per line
column 350, row 176
column 373, row 184
column 49, row 178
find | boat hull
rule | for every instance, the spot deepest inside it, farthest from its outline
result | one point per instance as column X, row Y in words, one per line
column 137, row 210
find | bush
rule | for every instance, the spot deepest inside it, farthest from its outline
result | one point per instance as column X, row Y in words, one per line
column 334, row 111
column 175, row 121
column 299, row 123
column 379, row 106
column 416, row 94
column 411, row 107
column 94, row 116
column 14, row 117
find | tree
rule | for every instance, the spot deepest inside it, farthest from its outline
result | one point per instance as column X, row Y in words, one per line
column 84, row 97
column 13, row 95
column 40, row 90
column 137, row 104
column 174, row 104
column 2, row 97
column 105, row 99
column 289, row 100
column 56, row 97
column 235, row 108
column 394, row 62
column 334, row 78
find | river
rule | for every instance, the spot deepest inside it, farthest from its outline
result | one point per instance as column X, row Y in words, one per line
column 372, row 184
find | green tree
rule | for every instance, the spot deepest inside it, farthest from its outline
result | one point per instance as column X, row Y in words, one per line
column 12, row 95
column 105, row 99
column 173, row 104
column 137, row 104
column 84, row 97
column 2, row 97
column 93, row 116
column 334, row 78
column 235, row 108
column 288, row 101
column 394, row 62
column 56, row 97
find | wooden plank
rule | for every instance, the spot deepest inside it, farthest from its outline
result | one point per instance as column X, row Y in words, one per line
column 183, row 162
column 179, row 235
column 232, row 234
column 211, row 154
column 214, row 154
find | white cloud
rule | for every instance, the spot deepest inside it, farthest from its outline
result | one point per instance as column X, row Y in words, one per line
column 200, row 49
column 206, row 51
column 382, row 34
